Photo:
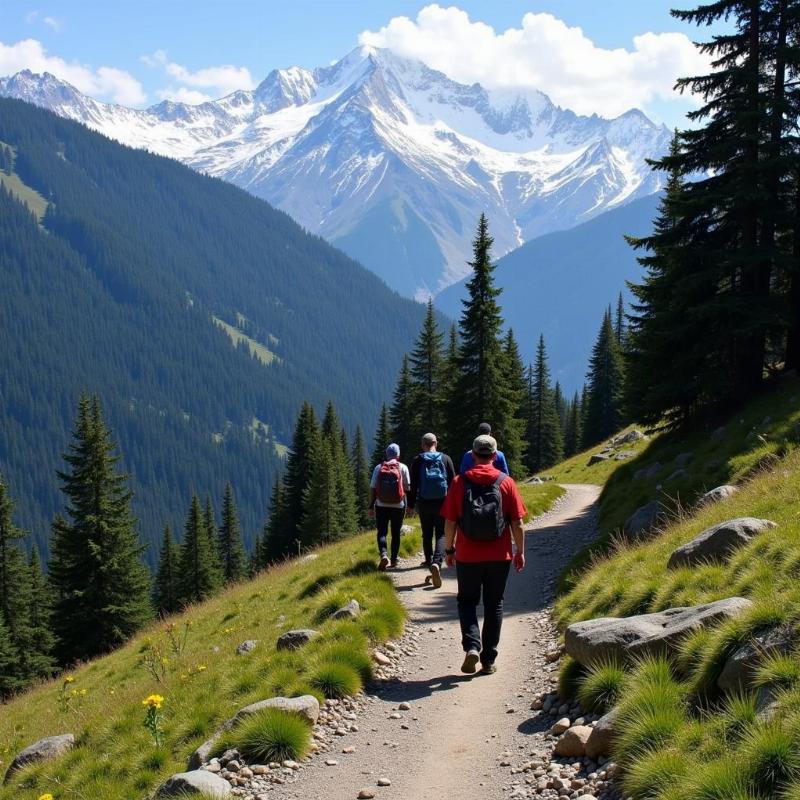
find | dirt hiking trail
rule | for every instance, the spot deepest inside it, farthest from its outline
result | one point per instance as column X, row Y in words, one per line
column 459, row 734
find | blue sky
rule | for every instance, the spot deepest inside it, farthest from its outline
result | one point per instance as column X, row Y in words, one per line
column 139, row 52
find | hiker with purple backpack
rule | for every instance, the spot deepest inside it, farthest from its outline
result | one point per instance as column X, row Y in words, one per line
column 390, row 486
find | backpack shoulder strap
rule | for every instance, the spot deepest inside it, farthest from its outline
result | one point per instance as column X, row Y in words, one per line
column 499, row 480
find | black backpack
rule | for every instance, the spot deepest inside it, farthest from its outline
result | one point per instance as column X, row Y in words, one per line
column 482, row 517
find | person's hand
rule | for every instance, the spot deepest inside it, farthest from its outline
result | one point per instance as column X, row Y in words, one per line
column 519, row 561
column 450, row 560
column 410, row 511
column 371, row 513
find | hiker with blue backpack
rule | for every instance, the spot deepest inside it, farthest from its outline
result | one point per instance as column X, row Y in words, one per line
column 432, row 473
column 483, row 513
column 390, row 485
column 468, row 459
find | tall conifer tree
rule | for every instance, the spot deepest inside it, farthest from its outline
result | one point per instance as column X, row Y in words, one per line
column 545, row 444
column 165, row 586
column 448, row 437
column 231, row 549
column 515, row 446
column 361, row 478
column 403, row 414
column 39, row 639
column 426, row 375
column 604, row 414
column 382, row 437
column 572, row 428
column 273, row 544
column 199, row 576
column 482, row 391
column 101, row 586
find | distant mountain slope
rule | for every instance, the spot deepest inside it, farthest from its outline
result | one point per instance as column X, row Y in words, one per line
column 122, row 290
column 560, row 283
column 378, row 148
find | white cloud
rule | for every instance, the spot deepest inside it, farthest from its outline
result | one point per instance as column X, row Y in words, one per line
column 104, row 82
column 217, row 80
column 52, row 22
column 544, row 53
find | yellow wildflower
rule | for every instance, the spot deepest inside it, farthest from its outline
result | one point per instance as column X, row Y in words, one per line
column 47, row 796
column 83, row 692
column 201, row 668
column 153, row 701
column 69, row 679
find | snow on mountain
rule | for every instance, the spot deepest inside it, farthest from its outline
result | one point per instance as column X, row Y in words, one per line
column 390, row 159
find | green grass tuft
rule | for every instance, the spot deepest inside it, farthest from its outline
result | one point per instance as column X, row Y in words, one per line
column 601, row 686
column 778, row 670
column 769, row 758
column 345, row 653
column 335, row 679
column 269, row 735
column 569, row 677
column 655, row 772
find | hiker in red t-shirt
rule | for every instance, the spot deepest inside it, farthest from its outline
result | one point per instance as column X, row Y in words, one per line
column 483, row 511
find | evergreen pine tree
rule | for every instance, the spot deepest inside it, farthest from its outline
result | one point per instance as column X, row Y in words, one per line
column 319, row 522
column 165, row 586
column 426, row 374
column 448, row 440
column 273, row 545
column 545, row 444
column 382, row 437
column 515, row 448
column 212, row 535
column 361, row 479
column 9, row 682
column 101, row 586
column 335, row 438
column 604, row 415
column 198, row 576
column 572, row 428
column 482, row 386
column 254, row 559
column 403, row 416
column 231, row 549
column 619, row 321
column 303, row 456
column 39, row 639
column 13, row 574
column 560, row 405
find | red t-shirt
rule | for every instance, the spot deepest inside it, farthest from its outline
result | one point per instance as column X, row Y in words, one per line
column 467, row 549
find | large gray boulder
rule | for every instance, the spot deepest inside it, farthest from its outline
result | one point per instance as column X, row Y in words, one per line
column 715, row 495
column 197, row 781
column 598, row 458
column 628, row 438
column 246, row 647
column 292, row 640
column 624, row 638
column 718, row 542
column 644, row 520
column 44, row 750
column 602, row 736
column 742, row 664
column 767, row 703
column 307, row 706
column 350, row 611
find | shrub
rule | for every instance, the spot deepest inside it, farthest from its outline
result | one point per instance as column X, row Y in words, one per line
column 351, row 655
column 384, row 620
column 720, row 780
column 599, row 689
column 569, row 677
column 778, row 670
column 269, row 735
column 769, row 760
column 654, row 772
column 335, row 679
column 739, row 713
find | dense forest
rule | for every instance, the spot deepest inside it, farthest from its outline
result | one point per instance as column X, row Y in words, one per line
column 115, row 291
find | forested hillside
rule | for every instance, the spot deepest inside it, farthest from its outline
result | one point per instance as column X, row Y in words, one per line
column 121, row 290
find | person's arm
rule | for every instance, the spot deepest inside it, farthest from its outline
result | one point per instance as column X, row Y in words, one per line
column 373, row 494
column 449, row 542
column 518, row 533
column 502, row 464
column 414, row 490
column 466, row 462
column 449, row 468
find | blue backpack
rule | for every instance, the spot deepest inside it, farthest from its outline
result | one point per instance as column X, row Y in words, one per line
column 433, row 477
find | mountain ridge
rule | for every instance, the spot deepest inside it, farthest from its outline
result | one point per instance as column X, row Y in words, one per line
column 331, row 145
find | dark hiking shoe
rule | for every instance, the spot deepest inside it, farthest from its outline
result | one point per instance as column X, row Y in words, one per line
column 488, row 669
column 394, row 563
column 383, row 563
column 425, row 564
column 470, row 665
column 436, row 576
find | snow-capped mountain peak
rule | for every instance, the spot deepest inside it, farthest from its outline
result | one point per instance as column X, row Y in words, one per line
column 391, row 159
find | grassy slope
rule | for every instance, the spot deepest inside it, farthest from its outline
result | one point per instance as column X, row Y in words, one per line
column 725, row 457
column 257, row 350
column 679, row 737
column 539, row 497
column 115, row 759
column 30, row 197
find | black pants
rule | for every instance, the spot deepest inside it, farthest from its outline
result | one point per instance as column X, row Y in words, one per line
column 383, row 518
column 487, row 578
column 432, row 526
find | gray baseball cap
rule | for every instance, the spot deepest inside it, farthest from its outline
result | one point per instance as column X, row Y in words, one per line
column 484, row 445
column 429, row 438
